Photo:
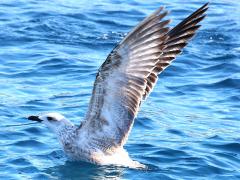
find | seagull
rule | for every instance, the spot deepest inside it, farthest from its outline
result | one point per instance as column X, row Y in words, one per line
column 123, row 81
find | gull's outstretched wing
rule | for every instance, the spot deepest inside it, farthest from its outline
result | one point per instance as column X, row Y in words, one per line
column 129, row 74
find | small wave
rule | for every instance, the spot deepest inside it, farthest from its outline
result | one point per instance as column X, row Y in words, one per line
column 227, row 147
column 227, row 83
column 29, row 143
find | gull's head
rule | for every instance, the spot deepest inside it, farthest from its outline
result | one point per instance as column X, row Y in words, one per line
column 53, row 121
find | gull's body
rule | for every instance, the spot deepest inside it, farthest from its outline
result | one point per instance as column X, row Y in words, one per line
column 123, row 81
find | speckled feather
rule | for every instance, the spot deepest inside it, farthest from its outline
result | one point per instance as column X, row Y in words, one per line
column 129, row 74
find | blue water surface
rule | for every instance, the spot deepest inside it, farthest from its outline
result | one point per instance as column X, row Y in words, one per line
column 50, row 51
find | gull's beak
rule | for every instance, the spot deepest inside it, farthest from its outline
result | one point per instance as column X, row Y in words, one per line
column 34, row 118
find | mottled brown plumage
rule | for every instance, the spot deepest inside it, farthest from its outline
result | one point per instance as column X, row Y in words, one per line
column 131, row 71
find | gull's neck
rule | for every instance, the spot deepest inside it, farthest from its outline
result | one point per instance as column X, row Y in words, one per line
column 67, row 133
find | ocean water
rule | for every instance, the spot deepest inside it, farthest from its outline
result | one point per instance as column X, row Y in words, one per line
column 50, row 51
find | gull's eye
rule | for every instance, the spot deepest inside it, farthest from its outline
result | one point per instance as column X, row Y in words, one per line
column 50, row 118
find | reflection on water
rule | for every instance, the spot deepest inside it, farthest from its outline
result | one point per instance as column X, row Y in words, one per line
column 86, row 170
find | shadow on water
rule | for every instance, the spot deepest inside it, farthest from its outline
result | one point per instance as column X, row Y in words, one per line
column 83, row 170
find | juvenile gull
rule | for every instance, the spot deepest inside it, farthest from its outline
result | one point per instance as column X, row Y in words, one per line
column 123, row 81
